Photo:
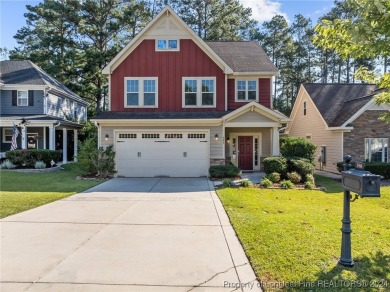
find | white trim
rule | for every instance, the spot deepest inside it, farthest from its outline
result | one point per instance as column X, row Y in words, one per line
column 271, row 93
column 167, row 39
column 24, row 98
column 139, row 37
column 254, row 135
column 24, row 137
column 383, row 152
column 3, row 134
column 24, row 87
column 109, row 92
column 251, row 125
column 246, row 80
column 262, row 73
column 359, row 112
column 217, row 122
column 199, row 92
column 141, row 92
column 44, row 138
column 262, row 109
column 226, row 92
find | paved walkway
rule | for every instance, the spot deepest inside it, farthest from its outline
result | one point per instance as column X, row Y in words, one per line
column 157, row 234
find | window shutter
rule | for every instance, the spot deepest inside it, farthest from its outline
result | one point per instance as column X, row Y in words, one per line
column 14, row 98
column 30, row 98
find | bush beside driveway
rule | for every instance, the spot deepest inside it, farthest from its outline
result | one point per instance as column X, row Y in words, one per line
column 24, row 191
column 294, row 235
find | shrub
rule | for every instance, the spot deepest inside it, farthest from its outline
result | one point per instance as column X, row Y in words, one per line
column 340, row 165
column 227, row 183
column 40, row 165
column 294, row 177
column 28, row 157
column 223, row 171
column 275, row 164
column 286, row 184
column 379, row 168
column 98, row 161
column 7, row 164
column 274, row 177
column 309, row 185
column 266, row 183
column 246, row 183
column 301, row 166
column 297, row 147
column 310, row 178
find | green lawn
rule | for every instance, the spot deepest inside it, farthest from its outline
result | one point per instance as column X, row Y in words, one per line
column 24, row 191
column 295, row 236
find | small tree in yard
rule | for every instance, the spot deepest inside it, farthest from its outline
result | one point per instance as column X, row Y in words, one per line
column 97, row 161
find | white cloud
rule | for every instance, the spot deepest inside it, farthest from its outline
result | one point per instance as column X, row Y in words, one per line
column 263, row 10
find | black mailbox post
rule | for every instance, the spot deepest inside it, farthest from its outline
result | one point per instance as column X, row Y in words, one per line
column 363, row 183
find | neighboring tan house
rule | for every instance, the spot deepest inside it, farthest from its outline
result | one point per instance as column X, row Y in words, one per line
column 341, row 119
column 47, row 114
column 179, row 104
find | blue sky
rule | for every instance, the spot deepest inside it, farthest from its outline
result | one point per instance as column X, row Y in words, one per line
column 12, row 13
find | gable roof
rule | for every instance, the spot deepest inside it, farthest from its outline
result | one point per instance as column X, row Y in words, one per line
column 245, row 56
column 25, row 72
column 338, row 102
column 134, row 43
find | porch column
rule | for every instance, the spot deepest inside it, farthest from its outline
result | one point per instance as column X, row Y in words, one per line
column 52, row 134
column 24, row 137
column 275, row 141
column 44, row 137
column 75, row 137
column 64, row 145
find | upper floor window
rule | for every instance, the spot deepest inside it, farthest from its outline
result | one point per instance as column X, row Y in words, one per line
column 304, row 108
column 246, row 90
column 199, row 92
column 141, row 92
column 22, row 97
column 167, row 45
column 376, row 149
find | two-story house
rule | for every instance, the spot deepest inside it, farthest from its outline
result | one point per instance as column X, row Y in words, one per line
column 47, row 114
column 179, row 104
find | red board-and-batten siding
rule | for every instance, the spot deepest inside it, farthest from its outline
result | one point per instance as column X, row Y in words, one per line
column 169, row 67
column 264, row 93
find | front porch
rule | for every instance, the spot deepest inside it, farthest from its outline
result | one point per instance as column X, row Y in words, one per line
column 49, row 134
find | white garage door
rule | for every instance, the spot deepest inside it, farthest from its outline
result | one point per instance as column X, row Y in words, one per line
column 162, row 153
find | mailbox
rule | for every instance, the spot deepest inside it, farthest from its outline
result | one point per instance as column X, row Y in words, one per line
column 361, row 182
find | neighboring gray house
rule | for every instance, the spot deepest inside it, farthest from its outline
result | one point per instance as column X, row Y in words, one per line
column 341, row 119
column 47, row 113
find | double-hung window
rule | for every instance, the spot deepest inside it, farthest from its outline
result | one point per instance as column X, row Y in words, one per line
column 376, row 149
column 199, row 92
column 7, row 135
column 141, row 92
column 22, row 97
column 246, row 90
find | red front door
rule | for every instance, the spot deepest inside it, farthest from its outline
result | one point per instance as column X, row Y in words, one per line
column 245, row 152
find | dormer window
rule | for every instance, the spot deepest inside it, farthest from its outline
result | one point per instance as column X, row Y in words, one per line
column 167, row 45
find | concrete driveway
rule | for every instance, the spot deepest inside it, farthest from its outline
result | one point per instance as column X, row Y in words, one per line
column 148, row 234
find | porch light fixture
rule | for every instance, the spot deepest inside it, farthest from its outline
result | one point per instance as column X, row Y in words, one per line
column 228, row 139
column 216, row 137
column 24, row 122
column 106, row 137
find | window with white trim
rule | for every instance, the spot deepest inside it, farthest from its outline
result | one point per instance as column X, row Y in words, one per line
column 7, row 135
column 304, row 108
column 247, row 90
column 167, row 45
column 199, row 92
column 376, row 149
column 22, row 97
column 141, row 92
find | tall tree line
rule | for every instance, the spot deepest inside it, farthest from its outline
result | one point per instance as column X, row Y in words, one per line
column 74, row 40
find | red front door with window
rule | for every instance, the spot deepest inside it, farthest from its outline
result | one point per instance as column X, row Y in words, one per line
column 245, row 152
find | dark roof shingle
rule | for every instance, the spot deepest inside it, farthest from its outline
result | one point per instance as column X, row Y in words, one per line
column 161, row 115
column 340, row 101
column 246, row 56
column 25, row 72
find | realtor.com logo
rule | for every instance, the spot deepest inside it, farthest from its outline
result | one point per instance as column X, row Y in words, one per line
column 324, row 284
